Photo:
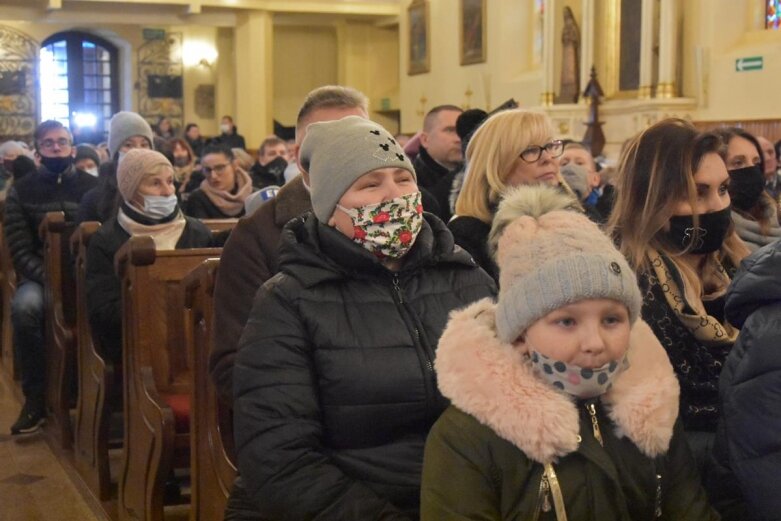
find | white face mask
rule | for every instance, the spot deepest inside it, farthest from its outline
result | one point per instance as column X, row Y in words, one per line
column 120, row 157
column 92, row 171
column 159, row 206
column 225, row 128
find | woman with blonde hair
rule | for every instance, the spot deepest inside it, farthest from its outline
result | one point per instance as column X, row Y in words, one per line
column 672, row 222
column 511, row 148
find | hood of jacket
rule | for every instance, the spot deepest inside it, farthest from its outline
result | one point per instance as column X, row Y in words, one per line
column 495, row 383
column 756, row 284
column 313, row 252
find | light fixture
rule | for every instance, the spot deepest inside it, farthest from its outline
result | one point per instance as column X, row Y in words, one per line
column 199, row 52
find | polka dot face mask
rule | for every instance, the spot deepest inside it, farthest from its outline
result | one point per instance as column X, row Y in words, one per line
column 577, row 381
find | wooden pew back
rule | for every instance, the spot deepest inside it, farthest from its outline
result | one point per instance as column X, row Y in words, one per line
column 7, row 290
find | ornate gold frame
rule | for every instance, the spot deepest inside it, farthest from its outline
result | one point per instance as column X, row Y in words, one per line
column 469, row 60
column 420, row 65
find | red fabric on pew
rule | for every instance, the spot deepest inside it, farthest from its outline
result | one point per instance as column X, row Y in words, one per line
column 180, row 405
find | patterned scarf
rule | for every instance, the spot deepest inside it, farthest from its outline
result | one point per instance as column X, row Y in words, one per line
column 228, row 203
column 704, row 327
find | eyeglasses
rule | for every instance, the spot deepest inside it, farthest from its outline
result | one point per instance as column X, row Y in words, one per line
column 534, row 152
column 217, row 169
column 48, row 144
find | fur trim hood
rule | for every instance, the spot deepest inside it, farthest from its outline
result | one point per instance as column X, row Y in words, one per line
column 493, row 382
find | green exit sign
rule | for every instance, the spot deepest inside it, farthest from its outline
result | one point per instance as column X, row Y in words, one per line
column 752, row 63
column 154, row 34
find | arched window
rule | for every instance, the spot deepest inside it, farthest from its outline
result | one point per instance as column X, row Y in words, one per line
column 78, row 81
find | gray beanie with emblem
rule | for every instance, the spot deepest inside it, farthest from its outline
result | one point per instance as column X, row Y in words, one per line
column 125, row 125
column 336, row 153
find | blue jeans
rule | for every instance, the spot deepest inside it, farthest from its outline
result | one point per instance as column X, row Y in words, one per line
column 27, row 319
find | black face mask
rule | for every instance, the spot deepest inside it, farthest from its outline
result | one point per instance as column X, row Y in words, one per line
column 181, row 161
column 745, row 187
column 275, row 167
column 57, row 165
column 706, row 238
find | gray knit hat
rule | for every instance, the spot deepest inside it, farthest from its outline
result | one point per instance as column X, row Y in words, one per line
column 124, row 125
column 136, row 163
column 336, row 153
column 549, row 257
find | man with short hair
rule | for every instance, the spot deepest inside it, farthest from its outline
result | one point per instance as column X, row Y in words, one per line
column 602, row 195
column 57, row 186
column 772, row 177
column 440, row 156
column 269, row 168
column 229, row 134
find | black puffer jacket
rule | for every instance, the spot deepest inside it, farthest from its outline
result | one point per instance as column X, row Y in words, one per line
column 472, row 234
column 28, row 202
column 335, row 390
column 104, row 289
column 747, row 441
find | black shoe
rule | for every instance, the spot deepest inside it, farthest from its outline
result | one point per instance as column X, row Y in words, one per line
column 30, row 419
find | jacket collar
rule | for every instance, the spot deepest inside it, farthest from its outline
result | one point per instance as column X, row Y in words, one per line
column 493, row 382
column 432, row 164
column 291, row 201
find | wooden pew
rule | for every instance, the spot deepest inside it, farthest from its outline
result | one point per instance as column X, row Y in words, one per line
column 219, row 225
column 99, row 387
column 212, row 461
column 156, row 373
column 59, row 289
column 7, row 290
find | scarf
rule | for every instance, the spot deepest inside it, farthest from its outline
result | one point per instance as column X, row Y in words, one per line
column 226, row 202
column 165, row 234
column 748, row 230
column 704, row 327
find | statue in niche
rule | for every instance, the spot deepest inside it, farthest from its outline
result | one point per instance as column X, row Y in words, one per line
column 570, row 60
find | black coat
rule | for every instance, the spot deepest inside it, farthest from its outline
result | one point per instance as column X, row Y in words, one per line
column 748, row 438
column 697, row 365
column 334, row 385
column 28, row 201
column 100, row 203
column 234, row 140
column 472, row 234
column 104, row 290
column 199, row 205
column 437, row 180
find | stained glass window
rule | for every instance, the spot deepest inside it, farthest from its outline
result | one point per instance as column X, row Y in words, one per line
column 772, row 14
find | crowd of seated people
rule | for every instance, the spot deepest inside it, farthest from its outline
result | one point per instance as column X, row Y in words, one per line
column 475, row 324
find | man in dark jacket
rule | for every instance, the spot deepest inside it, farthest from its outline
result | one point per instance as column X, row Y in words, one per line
column 440, row 156
column 269, row 169
column 229, row 136
column 57, row 186
column 749, row 388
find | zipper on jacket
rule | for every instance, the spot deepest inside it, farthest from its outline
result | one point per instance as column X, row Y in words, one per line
column 397, row 288
column 658, row 500
column 543, row 498
column 592, row 411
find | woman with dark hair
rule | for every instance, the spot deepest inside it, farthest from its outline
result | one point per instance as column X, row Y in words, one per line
column 672, row 222
column 193, row 136
column 754, row 212
column 224, row 189
column 187, row 177
column 164, row 129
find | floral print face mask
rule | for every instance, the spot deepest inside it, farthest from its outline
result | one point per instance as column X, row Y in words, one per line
column 387, row 229
column 574, row 380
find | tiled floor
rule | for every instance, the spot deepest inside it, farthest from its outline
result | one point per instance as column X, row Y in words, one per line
column 34, row 485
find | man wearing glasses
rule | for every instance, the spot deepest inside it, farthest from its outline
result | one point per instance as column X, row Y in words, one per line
column 57, row 186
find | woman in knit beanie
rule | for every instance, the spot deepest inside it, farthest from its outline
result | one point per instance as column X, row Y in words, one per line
column 672, row 222
column 563, row 403
column 148, row 207
column 223, row 190
column 333, row 381
column 511, row 148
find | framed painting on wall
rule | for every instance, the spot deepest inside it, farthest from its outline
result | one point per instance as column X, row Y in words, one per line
column 472, row 31
column 419, row 48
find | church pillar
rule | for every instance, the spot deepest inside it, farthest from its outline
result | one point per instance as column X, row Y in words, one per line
column 668, row 48
column 254, row 55
column 587, row 31
column 549, row 52
column 646, row 48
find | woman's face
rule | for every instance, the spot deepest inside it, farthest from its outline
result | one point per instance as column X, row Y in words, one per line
column 164, row 125
column 741, row 153
column 544, row 169
column 589, row 333
column 711, row 180
column 374, row 187
column 160, row 184
column 181, row 152
column 219, row 171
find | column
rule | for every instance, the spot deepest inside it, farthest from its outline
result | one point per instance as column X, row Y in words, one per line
column 587, row 30
column 254, row 66
column 646, row 48
column 549, row 52
column 668, row 48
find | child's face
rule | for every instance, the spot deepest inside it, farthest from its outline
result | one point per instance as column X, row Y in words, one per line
column 589, row 333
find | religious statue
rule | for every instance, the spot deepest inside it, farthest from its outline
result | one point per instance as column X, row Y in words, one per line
column 570, row 61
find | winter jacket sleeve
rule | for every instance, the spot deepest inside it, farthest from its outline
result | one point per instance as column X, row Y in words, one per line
column 278, row 428
column 683, row 497
column 457, row 484
column 196, row 206
column 244, row 267
column 751, row 398
column 104, row 295
column 22, row 239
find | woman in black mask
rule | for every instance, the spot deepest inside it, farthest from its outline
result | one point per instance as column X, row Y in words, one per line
column 672, row 221
column 753, row 211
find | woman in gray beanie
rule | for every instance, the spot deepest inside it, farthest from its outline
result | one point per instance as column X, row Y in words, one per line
column 148, row 207
column 333, row 382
